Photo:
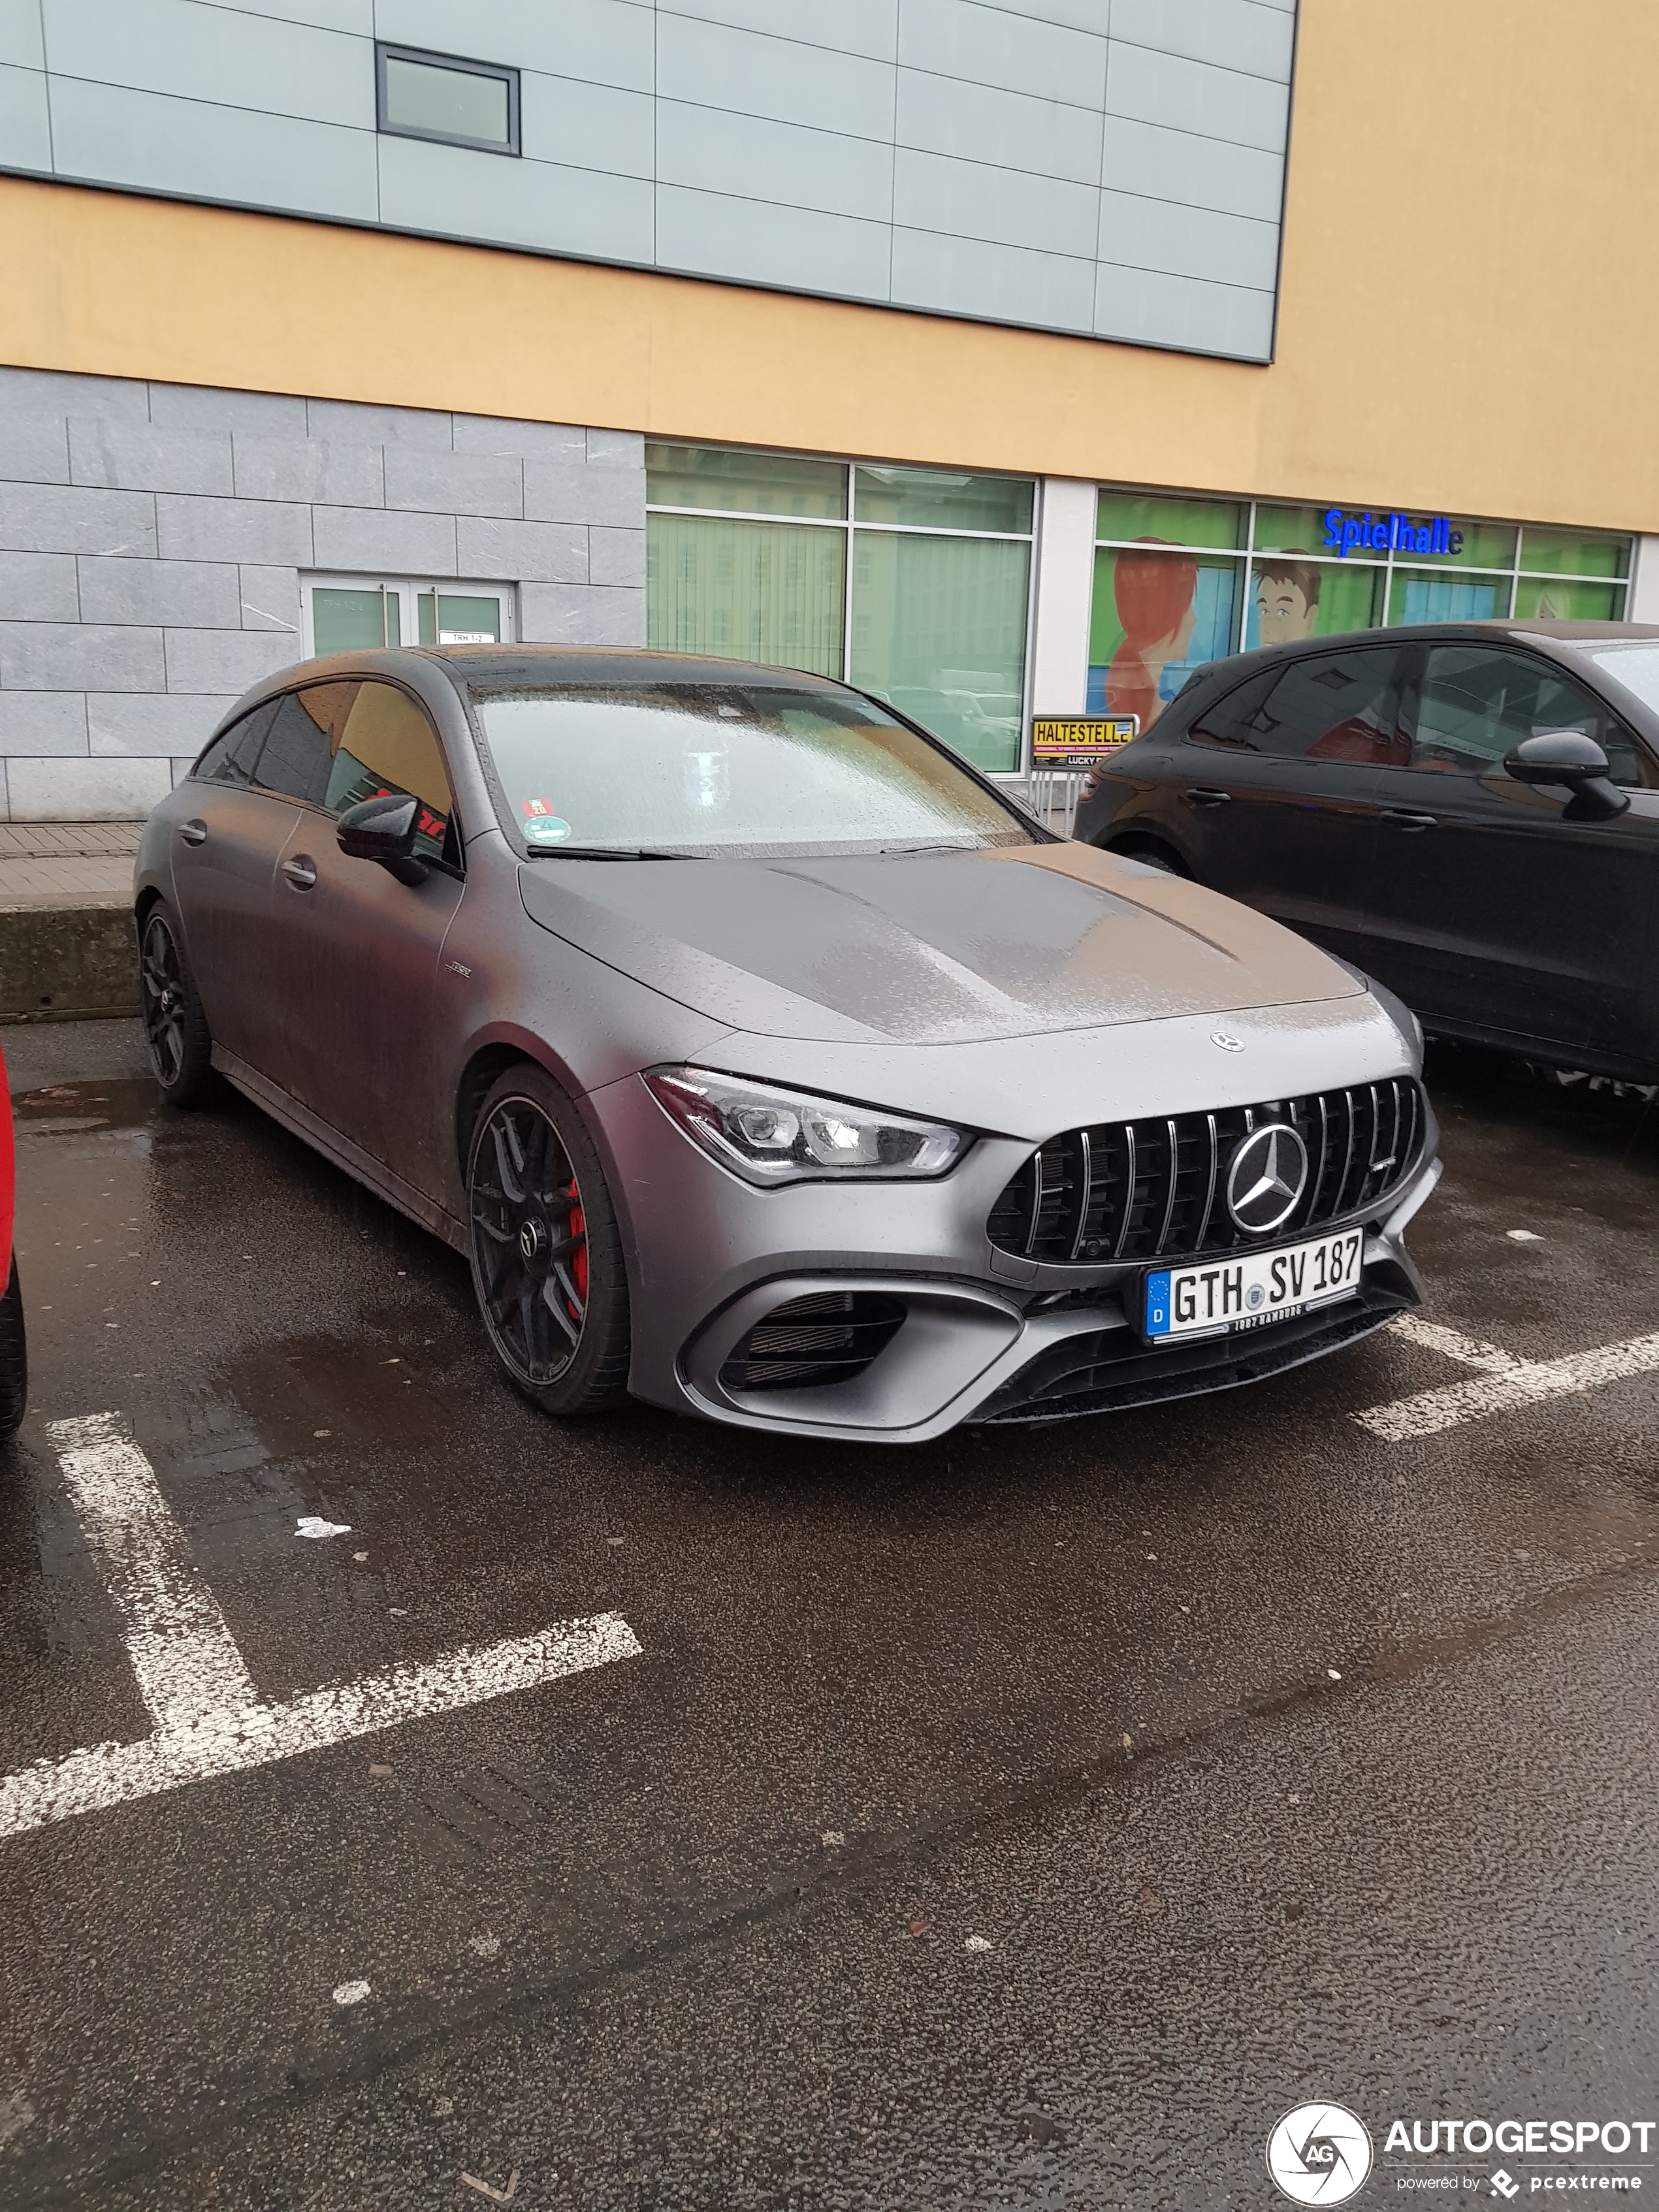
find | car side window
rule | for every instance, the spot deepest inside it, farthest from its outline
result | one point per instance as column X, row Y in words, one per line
column 1324, row 706
column 1228, row 722
column 386, row 744
column 235, row 753
column 299, row 746
column 1477, row 705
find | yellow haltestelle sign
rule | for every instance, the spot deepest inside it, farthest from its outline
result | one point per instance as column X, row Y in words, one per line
column 1056, row 740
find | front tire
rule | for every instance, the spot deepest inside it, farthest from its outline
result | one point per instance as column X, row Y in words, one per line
column 175, row 1026
column 546, row 1252
column 14, row 1356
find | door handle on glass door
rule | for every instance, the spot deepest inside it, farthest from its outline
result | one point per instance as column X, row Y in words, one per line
column 1203, row 796
column 301, row 872
column 1399, row 817
column 193, row 833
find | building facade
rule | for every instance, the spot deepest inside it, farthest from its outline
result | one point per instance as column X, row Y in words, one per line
column 1003, row 357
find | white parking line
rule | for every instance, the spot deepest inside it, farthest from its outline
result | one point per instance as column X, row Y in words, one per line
column 209, row 1719
column 1506, row 1382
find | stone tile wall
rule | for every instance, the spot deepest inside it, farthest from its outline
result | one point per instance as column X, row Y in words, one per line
column 153, row 538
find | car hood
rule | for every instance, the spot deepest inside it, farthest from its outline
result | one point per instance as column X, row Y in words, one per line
column 930, row 948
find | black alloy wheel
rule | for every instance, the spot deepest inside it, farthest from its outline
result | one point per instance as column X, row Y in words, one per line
column 176, row 1027
column 546, row 1256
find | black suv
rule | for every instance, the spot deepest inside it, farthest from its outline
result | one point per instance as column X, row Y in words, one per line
column 1469, row 811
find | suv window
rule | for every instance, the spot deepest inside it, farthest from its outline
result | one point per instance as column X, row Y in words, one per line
column 1477, row 705
column 1323, row 706
column 232, row 756
column 299, row 748
column 387, row 745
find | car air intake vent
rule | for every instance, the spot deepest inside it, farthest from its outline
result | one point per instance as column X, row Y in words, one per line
column 1158, row 1190
column 829, row 1338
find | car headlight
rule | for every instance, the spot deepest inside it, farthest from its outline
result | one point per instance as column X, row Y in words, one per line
column 773, row 1136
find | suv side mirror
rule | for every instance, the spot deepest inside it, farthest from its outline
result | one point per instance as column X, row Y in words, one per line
column 383, row 829
column 1568, row 757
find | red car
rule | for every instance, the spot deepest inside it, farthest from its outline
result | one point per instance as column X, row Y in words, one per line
column 14, row 1352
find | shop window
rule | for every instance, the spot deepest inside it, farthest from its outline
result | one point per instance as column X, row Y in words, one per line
column 1573, row 553
column 353, row 614
column 913, row 584
column 460, row 103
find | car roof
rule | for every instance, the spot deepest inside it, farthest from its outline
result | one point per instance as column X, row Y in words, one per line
column 618, row 664
column 1236, row 664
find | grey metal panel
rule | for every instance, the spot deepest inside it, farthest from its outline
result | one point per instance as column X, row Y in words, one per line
column 555, row 552
column 20, row 43
column 987, row 122
column 230, row 56
column 79, row 657
column 270, row 531
column 39, row 586
column 50, row 722
column 209, row 407
column 33, row 448
column 204, row 593
column 853, row 26
column 371, row 539
column 432, row 427
column 54, row 391
column 616, row 449
column 713, row 235
column 1015, row 47
column 224, row 660
column 1237, row 34
column 25, row 118
column 584, row 491
column 1186, row 96
column 72, row 519
column 581, row 614
column 356, row 16
column 1011, row 206
column 454, row 192
column 146, row 724
column 142, row 457
column 328, row 471
column 544, row 443
column 606, row 41
column 616, row 556
column 782, row 162
column 755, row 74
column 453, row 484
column 1007, row 283
column 1187, row 241
column 1177, row 165
column 1154, row 309
column 270, row 598
column 586, row 126
column 205, row 152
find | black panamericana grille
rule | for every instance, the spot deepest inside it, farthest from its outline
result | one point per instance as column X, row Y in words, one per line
column 1157, row 1189
column 832, row 1337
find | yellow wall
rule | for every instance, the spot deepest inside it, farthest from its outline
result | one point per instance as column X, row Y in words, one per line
column 1469, row 315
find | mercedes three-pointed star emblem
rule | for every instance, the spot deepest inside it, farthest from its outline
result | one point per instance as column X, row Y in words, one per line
column 1268, row 1177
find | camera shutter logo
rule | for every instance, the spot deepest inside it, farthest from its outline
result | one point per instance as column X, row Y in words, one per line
column 1319, row 2154
column 1268, row 1177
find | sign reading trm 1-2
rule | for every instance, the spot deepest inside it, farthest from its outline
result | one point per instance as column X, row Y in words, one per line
column 1062, row 740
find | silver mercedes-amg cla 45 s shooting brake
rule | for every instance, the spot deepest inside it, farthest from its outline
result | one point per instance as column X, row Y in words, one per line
column 766, row 1062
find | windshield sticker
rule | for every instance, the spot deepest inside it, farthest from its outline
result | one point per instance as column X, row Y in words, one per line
column 534, row 806
column 546, row 830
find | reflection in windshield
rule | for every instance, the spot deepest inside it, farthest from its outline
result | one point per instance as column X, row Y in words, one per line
column 1635, row 666
column 729, row 768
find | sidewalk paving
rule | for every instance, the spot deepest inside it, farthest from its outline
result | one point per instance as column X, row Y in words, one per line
column 66, row 933
column 66, row 864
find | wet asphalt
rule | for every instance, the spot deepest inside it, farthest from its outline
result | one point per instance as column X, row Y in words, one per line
column 1269, row 1760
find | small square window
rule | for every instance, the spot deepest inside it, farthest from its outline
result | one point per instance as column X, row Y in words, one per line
column 459, row 103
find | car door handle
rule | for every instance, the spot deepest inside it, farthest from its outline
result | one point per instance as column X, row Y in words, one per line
column 301, row 871
column 193, row 833
column 1203, row 796
column 1401, row 818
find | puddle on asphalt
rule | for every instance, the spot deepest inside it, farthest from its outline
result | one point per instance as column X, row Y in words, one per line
column 60, row 1108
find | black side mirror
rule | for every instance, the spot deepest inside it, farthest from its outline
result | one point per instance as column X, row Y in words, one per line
column 383, row 829
column 1568, row 757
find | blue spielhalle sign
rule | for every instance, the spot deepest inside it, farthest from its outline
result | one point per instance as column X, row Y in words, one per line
column 1347, row 533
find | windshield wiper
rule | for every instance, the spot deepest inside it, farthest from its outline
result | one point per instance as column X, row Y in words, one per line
column 606, row 853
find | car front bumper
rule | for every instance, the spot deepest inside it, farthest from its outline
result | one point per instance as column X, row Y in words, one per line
column 966, row 1333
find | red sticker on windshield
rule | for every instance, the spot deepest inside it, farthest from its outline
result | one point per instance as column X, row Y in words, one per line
column 534, row 806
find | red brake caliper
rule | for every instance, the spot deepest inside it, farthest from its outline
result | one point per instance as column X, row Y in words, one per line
column 579, row 1257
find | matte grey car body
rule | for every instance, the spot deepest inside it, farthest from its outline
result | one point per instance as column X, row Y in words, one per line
column 1047, row 1000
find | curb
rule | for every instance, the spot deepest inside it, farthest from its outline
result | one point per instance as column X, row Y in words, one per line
column 67, row 963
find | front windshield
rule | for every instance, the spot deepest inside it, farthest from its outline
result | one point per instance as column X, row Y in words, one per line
column 1635, row 666
column 741, row 769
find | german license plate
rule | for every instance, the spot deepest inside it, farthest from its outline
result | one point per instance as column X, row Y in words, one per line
column 1251, row 1290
